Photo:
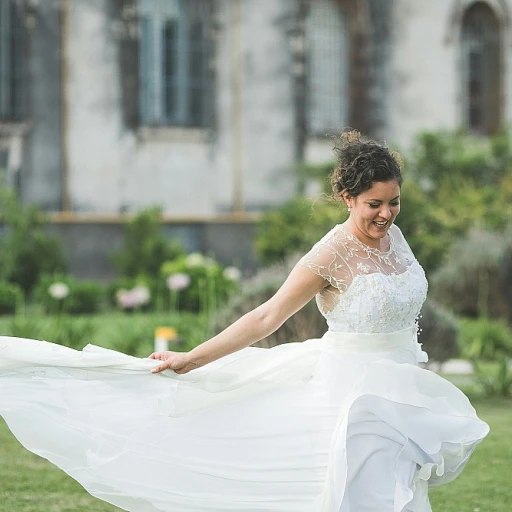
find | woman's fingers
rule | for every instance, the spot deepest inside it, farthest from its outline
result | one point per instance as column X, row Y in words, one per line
column 171, row 363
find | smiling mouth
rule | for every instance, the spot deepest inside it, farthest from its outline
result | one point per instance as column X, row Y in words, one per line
column 381, row 224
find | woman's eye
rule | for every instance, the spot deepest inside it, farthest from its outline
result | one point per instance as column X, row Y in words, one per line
column 395, row 204
column 373, row 205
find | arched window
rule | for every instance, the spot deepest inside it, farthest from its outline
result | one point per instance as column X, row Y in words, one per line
column 327, row 68
column 481, row 66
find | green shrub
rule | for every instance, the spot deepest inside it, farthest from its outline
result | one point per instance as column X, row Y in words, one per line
column 26, row 251
column 456, row 157
column 145, row 247
column 495, row 381
column 295, row 227
column 485, row 339
column 470, row 280
column 209, row 283
column 11, row 297
column 488, row 344
column 81, row 297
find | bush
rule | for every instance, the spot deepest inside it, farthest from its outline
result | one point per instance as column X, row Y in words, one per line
column 202, row 285
column 295, row 227
column 470, row 281
column 145, row 247
column 80, row 297
column 11, row 297
column 26, row 251
column 485, row 339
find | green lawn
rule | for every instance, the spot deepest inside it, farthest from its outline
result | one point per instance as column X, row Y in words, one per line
column 31, row 484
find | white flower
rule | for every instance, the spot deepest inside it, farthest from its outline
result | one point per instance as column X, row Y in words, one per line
column 59, row 290
column 178, row 282
column 141, row 295
column 232, row 273
column 195, row 259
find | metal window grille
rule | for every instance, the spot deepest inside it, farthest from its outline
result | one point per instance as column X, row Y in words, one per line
column 11, row 62
column 327, row 67
column 175, row 51
column 481, row 57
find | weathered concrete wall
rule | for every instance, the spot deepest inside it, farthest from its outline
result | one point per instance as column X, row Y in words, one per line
column 186, row 171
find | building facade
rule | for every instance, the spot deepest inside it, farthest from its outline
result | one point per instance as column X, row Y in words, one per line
column 206, row 107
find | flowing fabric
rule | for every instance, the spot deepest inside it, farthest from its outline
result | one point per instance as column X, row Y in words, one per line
column 345, row 423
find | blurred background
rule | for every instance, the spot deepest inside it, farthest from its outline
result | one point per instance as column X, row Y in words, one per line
column 164, row 163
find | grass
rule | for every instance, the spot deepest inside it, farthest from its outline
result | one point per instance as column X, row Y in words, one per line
column 484, row 486
column 31, row 484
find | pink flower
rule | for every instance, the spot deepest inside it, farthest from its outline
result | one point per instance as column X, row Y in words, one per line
column 129, row 299
column 178, row 282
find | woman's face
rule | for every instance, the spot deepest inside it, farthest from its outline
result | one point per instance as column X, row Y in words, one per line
column 372, row 212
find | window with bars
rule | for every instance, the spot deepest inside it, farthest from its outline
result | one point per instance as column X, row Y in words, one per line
column 327, row 68
column 175, row 52
column 11, row 62
column 481, row 64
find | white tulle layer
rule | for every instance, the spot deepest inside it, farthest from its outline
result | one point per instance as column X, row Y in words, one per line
column 346, row 423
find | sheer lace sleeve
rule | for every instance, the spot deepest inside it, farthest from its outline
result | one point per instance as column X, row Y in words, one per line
column 326, row 260
column 401, row 245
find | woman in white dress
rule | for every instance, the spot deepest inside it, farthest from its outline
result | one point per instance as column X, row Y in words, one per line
column 345, row 423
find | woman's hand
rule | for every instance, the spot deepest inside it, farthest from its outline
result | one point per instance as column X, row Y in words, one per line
column 179, row 362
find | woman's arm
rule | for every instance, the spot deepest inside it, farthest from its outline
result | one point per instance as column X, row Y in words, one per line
column 298, row 289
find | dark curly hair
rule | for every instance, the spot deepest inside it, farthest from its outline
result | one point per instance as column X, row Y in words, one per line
column 362, row 162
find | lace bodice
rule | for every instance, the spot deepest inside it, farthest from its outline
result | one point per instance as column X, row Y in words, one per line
column 369, row 290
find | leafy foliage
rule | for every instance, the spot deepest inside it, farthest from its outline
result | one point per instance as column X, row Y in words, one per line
column 26, row 251
column 10, row 298
column 145, row 247
column 295, row 227
column 209, row 285
column 470, row 280
column 489, row 340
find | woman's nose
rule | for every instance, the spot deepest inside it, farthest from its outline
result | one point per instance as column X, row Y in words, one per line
column 385, row 212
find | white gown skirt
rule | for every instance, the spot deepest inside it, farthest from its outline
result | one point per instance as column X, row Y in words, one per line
column 346, row 423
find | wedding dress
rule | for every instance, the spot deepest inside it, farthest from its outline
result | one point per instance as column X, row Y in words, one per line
column 345, row 423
